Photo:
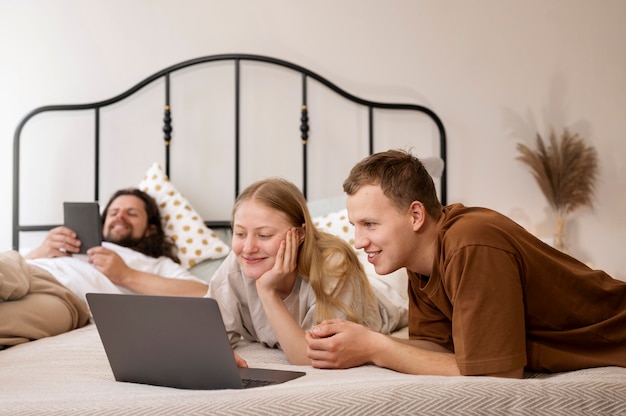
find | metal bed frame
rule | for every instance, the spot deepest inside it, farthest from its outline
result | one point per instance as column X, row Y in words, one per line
column 167, row 126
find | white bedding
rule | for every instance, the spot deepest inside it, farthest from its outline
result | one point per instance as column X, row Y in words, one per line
column 69, row 375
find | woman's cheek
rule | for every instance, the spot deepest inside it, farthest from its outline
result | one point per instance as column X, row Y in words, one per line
column 237, row 247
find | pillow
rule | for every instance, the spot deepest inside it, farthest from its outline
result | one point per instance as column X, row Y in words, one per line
column 434, row 166
column 394, row 285
column 321, row 207
column 195, row 241
column 336, row 223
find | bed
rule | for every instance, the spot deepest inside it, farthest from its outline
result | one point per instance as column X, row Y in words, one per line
column 69, row 373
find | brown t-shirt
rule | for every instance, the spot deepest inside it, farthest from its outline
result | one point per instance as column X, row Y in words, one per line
column 502, row 299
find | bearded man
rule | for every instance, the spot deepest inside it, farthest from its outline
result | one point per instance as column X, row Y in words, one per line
column 43, row 293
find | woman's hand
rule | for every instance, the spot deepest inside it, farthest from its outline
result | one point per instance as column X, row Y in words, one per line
column 274, row 286
column 241, row 363
column 286, row 262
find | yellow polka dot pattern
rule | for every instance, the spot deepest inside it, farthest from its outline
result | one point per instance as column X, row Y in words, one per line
column 336, row 223
column 195, row 241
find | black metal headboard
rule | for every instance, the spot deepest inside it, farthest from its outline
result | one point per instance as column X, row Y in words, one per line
column 167, row 126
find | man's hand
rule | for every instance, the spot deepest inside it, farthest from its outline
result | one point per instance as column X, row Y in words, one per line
column 339, row 343
column 343, row 344
column 110, row 264
column 60, row 242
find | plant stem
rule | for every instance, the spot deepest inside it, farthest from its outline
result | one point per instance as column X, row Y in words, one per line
column 560, row 229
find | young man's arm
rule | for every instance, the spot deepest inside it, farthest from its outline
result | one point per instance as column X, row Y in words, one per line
column 344, row 344
column 427, row 345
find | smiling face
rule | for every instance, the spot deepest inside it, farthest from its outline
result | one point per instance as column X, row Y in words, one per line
column 257, row 233
column 126, row 220
column 381, row 229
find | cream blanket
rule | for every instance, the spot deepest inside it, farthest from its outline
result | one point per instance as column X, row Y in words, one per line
column 69, row 374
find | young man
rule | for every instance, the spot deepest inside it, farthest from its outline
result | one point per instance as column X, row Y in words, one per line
column 43, row 294
column 485, row 296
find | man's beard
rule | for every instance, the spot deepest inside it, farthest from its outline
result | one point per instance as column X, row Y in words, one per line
column 149, row 245
column 125, row 241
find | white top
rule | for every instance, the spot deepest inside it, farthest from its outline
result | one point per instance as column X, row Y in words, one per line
column 244, row 316
column 80, row 277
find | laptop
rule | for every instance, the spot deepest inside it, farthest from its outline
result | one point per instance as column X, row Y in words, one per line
column 172, row 341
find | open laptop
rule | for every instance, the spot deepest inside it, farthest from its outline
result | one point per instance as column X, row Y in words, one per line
column 172, row 341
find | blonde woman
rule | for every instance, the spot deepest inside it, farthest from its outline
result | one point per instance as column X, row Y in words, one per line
column 284, row 275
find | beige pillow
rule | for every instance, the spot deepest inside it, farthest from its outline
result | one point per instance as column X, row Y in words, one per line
column 195, row 241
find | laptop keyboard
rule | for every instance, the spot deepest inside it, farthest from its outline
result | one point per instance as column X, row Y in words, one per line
column 251, row 382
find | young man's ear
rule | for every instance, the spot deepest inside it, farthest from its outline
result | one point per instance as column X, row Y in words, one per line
column 418, row 215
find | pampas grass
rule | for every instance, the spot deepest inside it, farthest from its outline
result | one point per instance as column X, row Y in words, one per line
column 566, row 171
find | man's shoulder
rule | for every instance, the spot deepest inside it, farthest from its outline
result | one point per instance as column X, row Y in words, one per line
column 472, row 212
column 464, row 226
column 461, row 217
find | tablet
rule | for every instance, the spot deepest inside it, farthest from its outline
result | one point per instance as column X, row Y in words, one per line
column 84, row 219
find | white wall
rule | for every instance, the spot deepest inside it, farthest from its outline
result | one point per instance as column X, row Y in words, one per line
column 495, row 71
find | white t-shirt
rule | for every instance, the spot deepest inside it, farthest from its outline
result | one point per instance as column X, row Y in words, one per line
column 81, row 277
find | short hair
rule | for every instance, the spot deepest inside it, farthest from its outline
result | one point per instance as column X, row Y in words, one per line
column 401, row 176
column 157, row 244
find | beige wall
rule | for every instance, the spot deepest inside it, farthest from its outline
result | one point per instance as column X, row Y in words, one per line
column 495, row 71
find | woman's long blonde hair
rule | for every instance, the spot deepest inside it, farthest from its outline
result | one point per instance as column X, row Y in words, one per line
column 327, row 262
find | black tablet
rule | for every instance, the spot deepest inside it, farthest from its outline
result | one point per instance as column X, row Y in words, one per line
column 84, row 219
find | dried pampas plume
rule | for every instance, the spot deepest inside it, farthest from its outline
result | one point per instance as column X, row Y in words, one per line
column 566, row 171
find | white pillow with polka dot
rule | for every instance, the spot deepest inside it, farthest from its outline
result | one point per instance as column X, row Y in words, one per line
column 195, row 241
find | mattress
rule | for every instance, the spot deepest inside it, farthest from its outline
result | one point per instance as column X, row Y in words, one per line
column 69, row 374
